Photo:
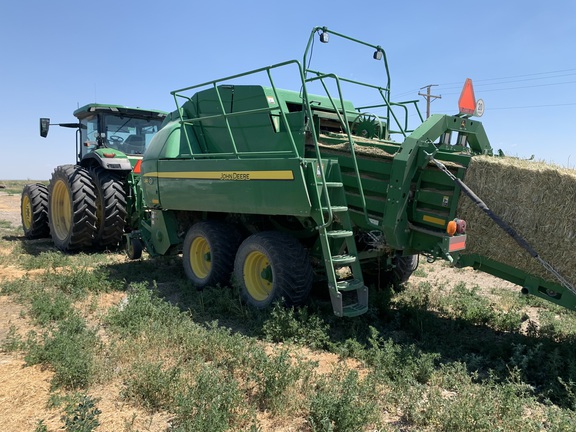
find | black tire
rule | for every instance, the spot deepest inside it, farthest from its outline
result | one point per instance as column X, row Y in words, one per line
column 110, row 206
column 404, row 267
column 208, row 253
column 134, row 248
column 381, row 277
column 271, row 266
column 34, row 211
column 71, row 208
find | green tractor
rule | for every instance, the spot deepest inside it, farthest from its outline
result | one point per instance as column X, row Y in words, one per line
column 92, row 203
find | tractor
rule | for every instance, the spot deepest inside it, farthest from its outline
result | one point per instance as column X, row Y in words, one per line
column 91, row 204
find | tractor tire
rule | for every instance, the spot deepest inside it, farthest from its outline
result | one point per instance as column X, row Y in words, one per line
column 208, row 253
column 110, row 206
column 71, row 208
column 34, row 211
column 273, row 266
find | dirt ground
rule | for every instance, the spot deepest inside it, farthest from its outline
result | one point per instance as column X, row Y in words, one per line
column 25, row 390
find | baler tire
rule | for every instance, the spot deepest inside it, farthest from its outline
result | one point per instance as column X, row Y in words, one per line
column 71, row 208
column 110, row 206
column 34, row 211
column 273, row 266
column 404, row 267
column 208, row 253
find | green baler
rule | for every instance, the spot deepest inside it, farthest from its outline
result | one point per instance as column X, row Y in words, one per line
column 279, row 188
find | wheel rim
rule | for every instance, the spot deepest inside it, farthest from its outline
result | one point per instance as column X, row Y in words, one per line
column 26, row 212
column 61, row 210
column 200, row 258
column 258, row 276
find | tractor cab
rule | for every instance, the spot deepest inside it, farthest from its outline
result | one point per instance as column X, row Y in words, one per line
column 128, row 130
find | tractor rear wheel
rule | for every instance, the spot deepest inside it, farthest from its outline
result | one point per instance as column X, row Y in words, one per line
column 34, row 211
column 71, row 208
column 110, row 206
column 208, row 253
column 272, row 266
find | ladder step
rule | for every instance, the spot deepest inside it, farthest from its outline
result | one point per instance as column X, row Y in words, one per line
column 339, row 233
column 337, row 209
column 332, row 184
column 343, row 259
column 355, row 309
column 349, row 285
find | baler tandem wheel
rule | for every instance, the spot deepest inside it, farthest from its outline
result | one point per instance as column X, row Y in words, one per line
column 208, row 253
column 273, row 266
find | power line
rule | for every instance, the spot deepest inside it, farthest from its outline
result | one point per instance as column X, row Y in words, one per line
column 534, row 106
column 516, row 76
column 523, row 87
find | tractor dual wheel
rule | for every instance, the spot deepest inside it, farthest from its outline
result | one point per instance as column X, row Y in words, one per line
column 110, row 206
column 71, row 208
column 273, row 266
column 34, row 211
column 208, row 253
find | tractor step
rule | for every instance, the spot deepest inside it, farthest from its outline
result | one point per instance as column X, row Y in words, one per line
column 340, row 260
column 336, row 209
column 332, row 184
column 355, row 309
column 339, row 233
column 349, row 284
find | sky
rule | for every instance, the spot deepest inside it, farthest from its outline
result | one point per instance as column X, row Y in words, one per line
column 56, row 56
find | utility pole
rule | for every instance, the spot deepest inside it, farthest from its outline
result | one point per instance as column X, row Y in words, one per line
column 429, row 97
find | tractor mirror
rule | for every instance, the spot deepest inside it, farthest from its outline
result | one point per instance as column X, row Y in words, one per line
column 44, row 126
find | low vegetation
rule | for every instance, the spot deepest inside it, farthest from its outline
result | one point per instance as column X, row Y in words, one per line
column 433, row 357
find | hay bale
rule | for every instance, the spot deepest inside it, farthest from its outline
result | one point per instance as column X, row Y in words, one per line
column 537, row 199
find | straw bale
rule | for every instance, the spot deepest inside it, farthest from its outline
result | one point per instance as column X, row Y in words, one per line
column 537, row 199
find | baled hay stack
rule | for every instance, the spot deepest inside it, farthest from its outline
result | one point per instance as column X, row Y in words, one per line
column 538, row 200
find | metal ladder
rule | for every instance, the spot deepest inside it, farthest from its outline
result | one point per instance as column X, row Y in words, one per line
column 348, row 293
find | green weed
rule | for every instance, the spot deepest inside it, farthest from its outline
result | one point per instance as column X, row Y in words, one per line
column 81, row 416
column 212, row 403
column 68, row 350
column 343, row 402
column 295, row 326
column 152, row 385
column 279, row 380
column 12, row 341
column 47, row 307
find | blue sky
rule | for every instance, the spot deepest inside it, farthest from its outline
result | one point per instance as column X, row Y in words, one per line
column 56, row 56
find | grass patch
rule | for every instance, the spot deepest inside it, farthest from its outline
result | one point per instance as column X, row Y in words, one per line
column 432, row 357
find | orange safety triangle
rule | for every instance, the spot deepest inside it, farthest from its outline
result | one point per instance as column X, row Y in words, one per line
column 467, row 101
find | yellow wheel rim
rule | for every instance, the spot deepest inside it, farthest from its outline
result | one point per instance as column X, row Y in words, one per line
column 200, row 258
column 258, row 276
column 61, row 210
column 26, row 212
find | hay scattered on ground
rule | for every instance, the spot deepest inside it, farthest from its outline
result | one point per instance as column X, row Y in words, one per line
column 537, row 199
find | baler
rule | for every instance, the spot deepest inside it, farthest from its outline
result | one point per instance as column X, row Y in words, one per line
column 279, row 188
